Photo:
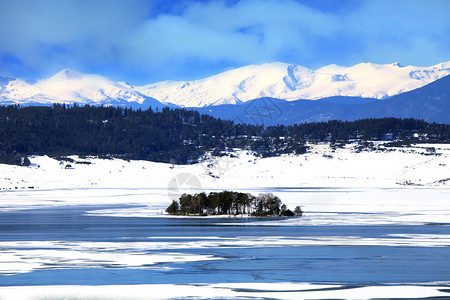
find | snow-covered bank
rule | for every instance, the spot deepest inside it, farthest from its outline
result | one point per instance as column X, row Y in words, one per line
column 420, row 165
column 225, row 291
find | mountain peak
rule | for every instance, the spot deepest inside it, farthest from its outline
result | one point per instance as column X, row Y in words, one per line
column 68, row 74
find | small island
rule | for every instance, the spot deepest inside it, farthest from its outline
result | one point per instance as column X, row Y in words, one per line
column 231, row 203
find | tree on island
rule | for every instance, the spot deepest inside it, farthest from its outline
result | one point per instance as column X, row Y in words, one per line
column 231, row 203
column 298, row 211
column 173, row 208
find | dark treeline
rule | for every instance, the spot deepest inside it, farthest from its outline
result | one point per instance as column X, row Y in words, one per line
column 231, row 203
column 178, row 135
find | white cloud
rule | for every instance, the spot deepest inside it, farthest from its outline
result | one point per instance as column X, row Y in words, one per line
column 136, row 36
column 248, row 31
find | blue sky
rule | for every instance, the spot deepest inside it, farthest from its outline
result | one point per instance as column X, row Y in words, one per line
column 148, row 41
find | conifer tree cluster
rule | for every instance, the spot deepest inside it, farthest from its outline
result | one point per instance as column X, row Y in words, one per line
column 231, row 203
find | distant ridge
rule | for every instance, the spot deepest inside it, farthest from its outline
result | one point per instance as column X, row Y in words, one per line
column 430, row 103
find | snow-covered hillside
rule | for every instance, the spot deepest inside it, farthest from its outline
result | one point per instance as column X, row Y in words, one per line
column 293, row 82
column 322, row 166
column 69, row 86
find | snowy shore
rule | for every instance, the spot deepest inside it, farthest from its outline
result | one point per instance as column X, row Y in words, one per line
column 407, row 185
column 386, row 167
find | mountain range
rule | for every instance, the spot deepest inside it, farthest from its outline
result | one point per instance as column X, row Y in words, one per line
column 292, row 82
column 273, row 93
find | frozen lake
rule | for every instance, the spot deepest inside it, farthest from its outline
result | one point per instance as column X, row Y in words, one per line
column 98, row 245
column 376, row 225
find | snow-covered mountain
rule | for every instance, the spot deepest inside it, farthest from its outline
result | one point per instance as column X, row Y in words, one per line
column 69, row 86
column 277, row 80
column 293, row 82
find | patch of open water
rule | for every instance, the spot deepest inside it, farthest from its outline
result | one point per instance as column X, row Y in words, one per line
column 65, row 245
